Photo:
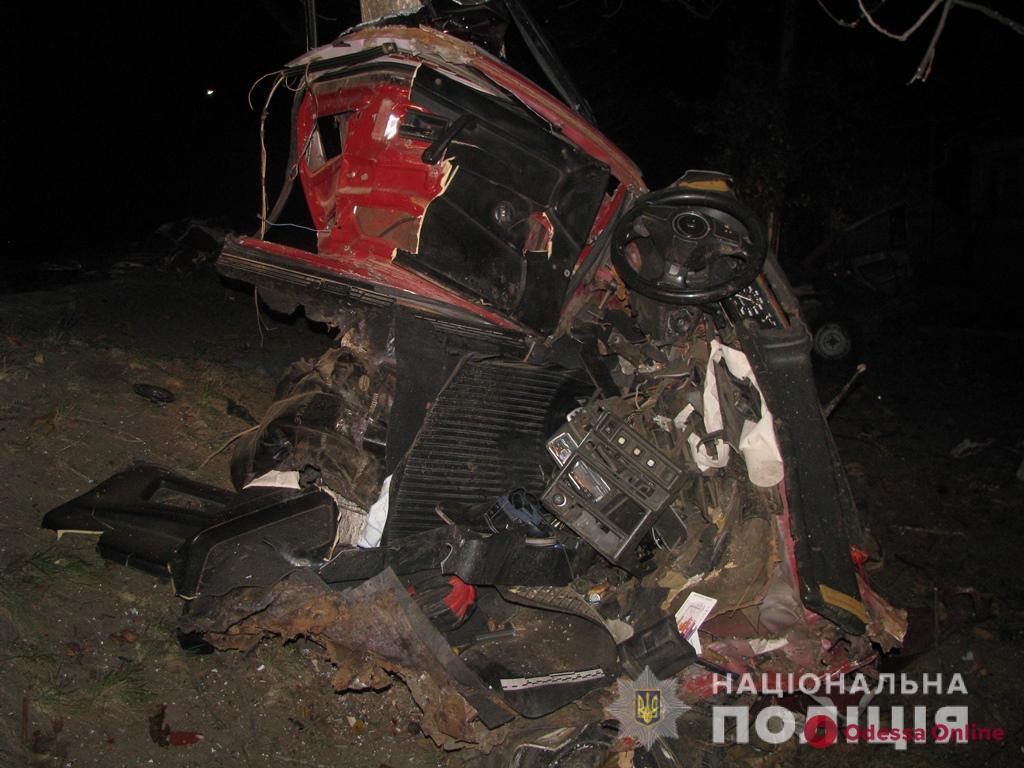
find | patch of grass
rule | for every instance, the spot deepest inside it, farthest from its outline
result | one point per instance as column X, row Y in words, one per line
column 285, row 662
column 11, row 371
column 159, row 640
column 121, row 689
column 21, row 651
column 59, row 693
column 23, row 579
column 47, row 564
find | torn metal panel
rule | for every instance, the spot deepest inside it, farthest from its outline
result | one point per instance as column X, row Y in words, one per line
column 377, row 621
column 476, row 233
column 386, row 218
column 886, row 625
column 814, row 478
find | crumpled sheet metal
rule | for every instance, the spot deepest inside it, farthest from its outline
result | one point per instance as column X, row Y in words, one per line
column 887, row 625
column 368, row 631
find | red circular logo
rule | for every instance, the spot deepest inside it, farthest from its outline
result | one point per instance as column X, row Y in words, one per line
column 821, row 731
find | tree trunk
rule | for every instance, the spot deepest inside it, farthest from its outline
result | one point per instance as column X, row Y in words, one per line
column 375, row 9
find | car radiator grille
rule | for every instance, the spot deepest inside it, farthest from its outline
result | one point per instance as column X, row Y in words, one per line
column 483, row 436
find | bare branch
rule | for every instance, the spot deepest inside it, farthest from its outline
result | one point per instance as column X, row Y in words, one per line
column 836, row 19
column 925, row 67
column 904, row 36
column 613, row 13
column 701, row 9
column 994, row 15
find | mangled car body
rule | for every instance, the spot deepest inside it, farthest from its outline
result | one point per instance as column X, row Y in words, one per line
column 562, row 409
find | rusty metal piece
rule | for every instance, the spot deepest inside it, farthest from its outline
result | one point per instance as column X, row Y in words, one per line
column 367, row 631
column 835, row 401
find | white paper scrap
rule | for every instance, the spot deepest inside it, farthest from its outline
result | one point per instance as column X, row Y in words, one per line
column 275, row 478
column 767, row 644
column 691, row 614
column 378, row 516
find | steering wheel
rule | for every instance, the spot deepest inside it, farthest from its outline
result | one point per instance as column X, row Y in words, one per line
column 688, row 246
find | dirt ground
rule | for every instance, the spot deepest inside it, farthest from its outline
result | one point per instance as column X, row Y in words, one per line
column 88, row 653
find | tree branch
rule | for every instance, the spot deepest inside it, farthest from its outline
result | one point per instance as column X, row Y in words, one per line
column 925, row 67
column 994, row 15
column 706, row 11
column 836, row 19
column 904, row 36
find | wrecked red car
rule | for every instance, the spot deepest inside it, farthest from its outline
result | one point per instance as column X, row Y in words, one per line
column 569, row 429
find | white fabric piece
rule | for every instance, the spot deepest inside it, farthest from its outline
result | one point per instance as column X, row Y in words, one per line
column 276, row 478
column 712, row 422
column 758, row 443
column 705, row 460
column 377, row 518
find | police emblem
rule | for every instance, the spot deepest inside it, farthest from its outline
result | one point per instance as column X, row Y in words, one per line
column 647, row 708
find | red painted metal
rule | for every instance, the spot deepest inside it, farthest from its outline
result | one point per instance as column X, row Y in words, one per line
column 461, row 598
column 375, row 269
column 368, row 201
column 369, row 195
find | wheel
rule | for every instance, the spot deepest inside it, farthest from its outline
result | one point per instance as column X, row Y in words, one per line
column 833, row 341
column 686, row 246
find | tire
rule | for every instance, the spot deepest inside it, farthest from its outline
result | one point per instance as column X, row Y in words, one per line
column 833, row 341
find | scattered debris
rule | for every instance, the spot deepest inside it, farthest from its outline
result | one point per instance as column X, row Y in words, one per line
column 968, row 447
column 369, row 632
column 565, row 418
column 159, row 731
column 179, row 243
column 691, row 615
column 184, row 738
column 161, row 734
column 125, row 637
column 154, row 394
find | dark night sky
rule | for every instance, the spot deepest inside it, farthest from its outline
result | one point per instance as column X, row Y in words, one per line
column 110, row 131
